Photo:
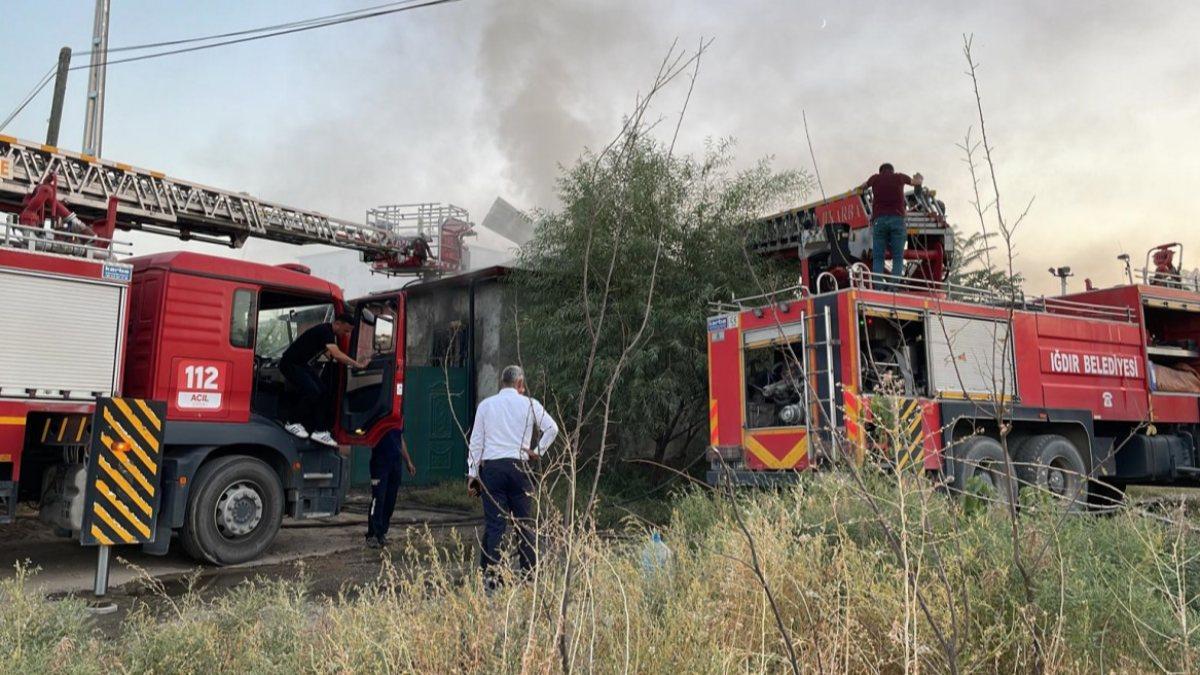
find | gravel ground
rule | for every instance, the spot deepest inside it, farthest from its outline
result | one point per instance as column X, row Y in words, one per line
column 329, row 552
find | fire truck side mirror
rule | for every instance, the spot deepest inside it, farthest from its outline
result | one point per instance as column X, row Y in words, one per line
column 385, row 332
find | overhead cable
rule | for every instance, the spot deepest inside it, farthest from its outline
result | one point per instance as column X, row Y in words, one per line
column 298, row 29
column 240, row 36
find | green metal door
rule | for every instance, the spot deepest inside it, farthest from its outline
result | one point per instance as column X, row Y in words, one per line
column 436, row 422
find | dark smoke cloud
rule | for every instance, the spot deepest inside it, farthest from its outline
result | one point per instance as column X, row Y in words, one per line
column 553, row 78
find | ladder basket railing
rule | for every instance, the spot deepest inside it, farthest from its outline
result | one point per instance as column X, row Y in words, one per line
column 1187, row 281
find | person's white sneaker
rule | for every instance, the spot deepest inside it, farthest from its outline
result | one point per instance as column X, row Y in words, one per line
column 296, row 429
column 323, row 438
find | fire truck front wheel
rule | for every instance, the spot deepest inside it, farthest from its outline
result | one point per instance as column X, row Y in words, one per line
column 234, row 510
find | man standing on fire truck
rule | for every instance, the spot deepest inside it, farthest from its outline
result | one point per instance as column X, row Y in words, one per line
column 887, row 217
column 311, row 402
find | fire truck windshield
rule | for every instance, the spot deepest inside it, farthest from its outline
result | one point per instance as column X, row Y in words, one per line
column 278, row 327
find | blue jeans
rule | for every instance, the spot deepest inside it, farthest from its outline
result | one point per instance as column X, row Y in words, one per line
column 888, row 233
column 506, row 488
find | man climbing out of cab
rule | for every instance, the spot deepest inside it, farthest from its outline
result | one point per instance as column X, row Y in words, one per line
column 312, row 407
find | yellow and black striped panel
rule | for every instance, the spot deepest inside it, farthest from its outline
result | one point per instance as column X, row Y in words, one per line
column 911, row 436
column 124, row 466
column 69, row 429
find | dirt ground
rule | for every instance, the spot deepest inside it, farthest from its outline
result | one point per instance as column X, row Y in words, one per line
column 329, row 552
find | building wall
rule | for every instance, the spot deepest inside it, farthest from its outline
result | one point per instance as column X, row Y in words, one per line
column 426, row 314
column 492, row 311
column 429, row 312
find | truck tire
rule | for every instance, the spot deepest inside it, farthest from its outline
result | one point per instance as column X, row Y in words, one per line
column 1053, row 465
column 980, row 460
column 234, row 510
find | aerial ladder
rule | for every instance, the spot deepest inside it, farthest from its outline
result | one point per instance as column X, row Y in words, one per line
column 72, row 203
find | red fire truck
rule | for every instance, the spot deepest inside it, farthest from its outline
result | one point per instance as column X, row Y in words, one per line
column 141, row 397
column 1099, row 388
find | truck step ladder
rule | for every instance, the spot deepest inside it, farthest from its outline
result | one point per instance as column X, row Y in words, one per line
column 825, row 422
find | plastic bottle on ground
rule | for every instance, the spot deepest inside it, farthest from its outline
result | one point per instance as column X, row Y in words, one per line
column 656, row 556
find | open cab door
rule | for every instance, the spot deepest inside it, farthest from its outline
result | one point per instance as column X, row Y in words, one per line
column 370, row 401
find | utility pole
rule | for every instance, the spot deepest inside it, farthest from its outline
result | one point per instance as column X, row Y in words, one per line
column 93, row 132
column 60, row 91
column 93, row 123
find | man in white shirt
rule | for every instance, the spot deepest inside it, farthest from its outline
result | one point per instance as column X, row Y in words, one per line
column 496, row 465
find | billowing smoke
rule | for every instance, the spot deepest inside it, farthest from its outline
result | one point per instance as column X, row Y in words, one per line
column 548, row 72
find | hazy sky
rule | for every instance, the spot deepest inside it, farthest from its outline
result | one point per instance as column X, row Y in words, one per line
column 1093, row 107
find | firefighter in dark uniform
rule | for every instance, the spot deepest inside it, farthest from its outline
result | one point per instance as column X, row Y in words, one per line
column 385, row 483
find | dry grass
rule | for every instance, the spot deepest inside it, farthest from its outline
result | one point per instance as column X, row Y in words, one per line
column 1114, row 593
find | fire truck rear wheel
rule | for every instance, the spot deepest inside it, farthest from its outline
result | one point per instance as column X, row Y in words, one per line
column 981, row 465
column 234, row 511
column 1052, row 465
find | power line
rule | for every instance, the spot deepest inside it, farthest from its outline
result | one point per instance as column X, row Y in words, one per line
column 249, row 31
column 299, row 29
column 251, row 34
column 315, row 22
column 30, row 96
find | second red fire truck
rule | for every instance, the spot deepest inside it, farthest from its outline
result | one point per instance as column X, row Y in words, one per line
column 1097, row 390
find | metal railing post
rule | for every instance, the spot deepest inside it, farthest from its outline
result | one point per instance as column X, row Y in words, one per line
column 829, row 373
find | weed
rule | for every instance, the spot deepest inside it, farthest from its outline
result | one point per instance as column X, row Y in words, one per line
column 1114, row 592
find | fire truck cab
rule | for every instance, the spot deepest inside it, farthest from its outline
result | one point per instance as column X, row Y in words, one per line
column 141, row 397
column 204, row 335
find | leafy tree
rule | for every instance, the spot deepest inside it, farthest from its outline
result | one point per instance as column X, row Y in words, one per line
column 636, row 227
column 978, row 265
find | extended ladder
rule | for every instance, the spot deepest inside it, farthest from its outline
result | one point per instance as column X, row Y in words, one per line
column 154, row 202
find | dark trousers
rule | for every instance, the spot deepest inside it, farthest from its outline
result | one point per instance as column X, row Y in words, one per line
column 309, row 396
column 385, row 483
column 506, row 488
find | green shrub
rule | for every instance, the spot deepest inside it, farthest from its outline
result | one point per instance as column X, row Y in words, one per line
column 35, row 634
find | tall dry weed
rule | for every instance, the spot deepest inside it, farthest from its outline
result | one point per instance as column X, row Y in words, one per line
column 1114, row 592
